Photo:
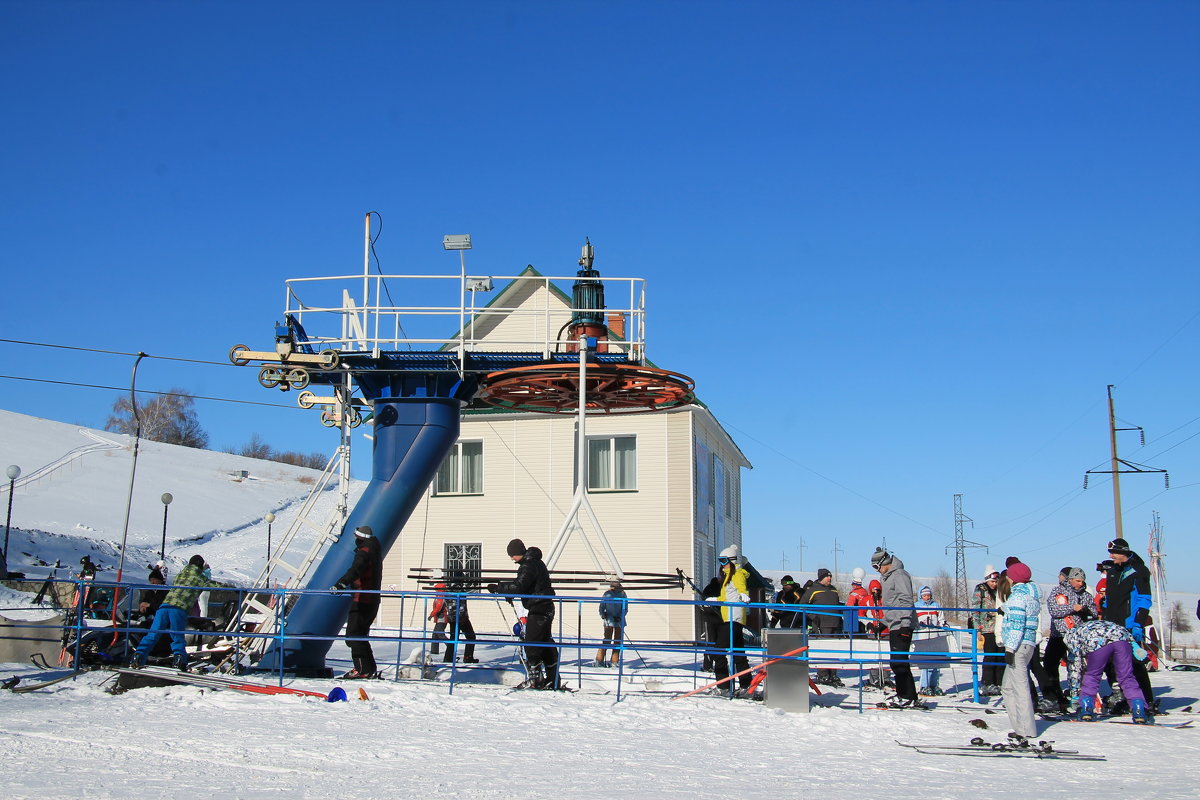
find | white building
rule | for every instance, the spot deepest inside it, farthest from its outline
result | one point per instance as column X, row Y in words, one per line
column 665, row 486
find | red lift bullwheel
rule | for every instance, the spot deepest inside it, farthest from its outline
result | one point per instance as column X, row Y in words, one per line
column 554, row 388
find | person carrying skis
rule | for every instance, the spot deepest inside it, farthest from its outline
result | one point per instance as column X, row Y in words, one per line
column 365, row 576
column 1019, row 633
column 901, row 619
column 930, row 622
column 1092, row 646
column 172, row 616
column 533, row 580
column 612, row 611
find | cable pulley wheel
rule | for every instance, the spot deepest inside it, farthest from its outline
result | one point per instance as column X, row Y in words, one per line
column 610, row 388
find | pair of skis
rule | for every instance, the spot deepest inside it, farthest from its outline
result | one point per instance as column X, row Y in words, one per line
column 980, row 748
column 214, row 681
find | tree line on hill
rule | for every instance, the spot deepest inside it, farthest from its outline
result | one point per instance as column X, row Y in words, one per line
column 171, row 418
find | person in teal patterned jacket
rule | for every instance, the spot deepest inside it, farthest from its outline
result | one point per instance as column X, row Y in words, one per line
column 1019, row 632
column 172, row 616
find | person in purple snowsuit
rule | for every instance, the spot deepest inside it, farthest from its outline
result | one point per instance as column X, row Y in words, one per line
column 1092, row 646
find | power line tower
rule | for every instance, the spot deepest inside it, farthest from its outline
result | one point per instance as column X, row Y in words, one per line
column 960, row 554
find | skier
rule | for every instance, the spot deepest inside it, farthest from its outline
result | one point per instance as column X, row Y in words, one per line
column 365, row 576
column 859, row 598
column 983, row 619
column 612, row 611
column 1127, row 603
column 440, row 620
column 172, row 615
column 731, row 632
column 822, row 593
column 457, row 619
column 1070, row 605
column 534, row 579
column 930, row 621
column 1092, row 646
column 789, row 595
column 901, row 619
column 880, row 678
column 1019, row 632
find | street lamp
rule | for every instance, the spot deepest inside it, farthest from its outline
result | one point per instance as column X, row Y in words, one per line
column 13, row 472
column 270, row 517
column 166, row 501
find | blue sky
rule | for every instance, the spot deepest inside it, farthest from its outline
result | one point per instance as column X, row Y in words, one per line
column 901, row 247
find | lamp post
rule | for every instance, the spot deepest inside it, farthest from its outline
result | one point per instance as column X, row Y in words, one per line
column 270, row 517
column 166, row 501
column 13, row 472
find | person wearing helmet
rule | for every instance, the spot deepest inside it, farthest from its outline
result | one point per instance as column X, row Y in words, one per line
column 789, row 595
column 858, row 598
column 734, row 588
column 365, row 576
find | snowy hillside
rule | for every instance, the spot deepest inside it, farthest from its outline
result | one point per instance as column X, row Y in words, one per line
column 71, row 498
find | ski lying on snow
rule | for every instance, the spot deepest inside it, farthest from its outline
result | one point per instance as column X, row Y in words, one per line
column 987, row 750
column 1155, row 724
column 216, row 681
column 45, row 679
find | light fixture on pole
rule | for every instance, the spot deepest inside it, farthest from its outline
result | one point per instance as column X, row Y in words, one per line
column 166, row 498
column 270, row 517
column 13, row 472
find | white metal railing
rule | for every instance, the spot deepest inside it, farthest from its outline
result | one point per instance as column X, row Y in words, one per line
column 357, row 313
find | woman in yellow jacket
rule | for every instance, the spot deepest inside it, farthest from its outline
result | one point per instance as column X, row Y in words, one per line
column 734, row 589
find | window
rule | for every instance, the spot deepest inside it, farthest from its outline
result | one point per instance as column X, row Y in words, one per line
column 462, row 470
column 612, row 464
column 464, row 563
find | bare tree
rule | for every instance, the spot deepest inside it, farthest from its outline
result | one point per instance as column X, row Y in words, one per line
column 170, row 417
column 257, row 448
column 1178, row 619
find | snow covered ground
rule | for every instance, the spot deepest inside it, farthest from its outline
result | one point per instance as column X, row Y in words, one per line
column 414, row 738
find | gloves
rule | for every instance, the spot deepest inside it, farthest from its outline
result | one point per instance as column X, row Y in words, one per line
column 1009, row 657
column 1137, row 631
column 493, row 588
column 979, row 641
column 1139, row 653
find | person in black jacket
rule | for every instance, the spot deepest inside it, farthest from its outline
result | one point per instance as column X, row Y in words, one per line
column 534, row 579
column 822, row 592
column 364, row 576
column 790, row 594
column 1127, row 600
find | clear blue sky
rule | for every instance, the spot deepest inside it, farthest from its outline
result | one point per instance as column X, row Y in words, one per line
column 901, row 247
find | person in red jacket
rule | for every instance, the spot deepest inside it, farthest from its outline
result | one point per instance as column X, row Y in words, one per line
column 364, row 576
column 881, row 678
column 859, row 598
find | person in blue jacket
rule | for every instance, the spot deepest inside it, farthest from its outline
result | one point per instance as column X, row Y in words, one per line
column 1127, row 601
column 612, row 611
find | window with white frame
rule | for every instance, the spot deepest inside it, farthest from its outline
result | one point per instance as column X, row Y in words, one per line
column 612, row 463
column 462, row 470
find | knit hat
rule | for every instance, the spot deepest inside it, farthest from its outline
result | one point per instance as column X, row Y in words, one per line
column 197, row 561
column 364, row 532
column 156, row 574
column 733, row 551
column 823, row 573
column 516, row 548
column 1019, row 573
column 786, row 579
column 989, row 571
column 880, row 557
column 1119, row 547
column 1074, row 573
column 925, row 589
column 1008, row 562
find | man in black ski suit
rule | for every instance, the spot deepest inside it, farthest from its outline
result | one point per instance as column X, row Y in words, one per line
column 1127, row 600
column 364, row 576
column 534, row 579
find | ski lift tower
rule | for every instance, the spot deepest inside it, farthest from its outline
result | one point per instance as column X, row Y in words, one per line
column 346, row 332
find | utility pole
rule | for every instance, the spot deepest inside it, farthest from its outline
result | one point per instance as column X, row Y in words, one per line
column 783, row 560
column 960, row 555
column 836, row 549
column 802, row 548
column 1116, row 463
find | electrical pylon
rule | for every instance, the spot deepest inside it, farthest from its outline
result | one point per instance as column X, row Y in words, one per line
column 960, row 553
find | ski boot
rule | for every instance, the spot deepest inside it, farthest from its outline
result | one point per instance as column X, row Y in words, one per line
column 1141, row 714
column 1087, row 709
column 180, row 662
column 1048, row 706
